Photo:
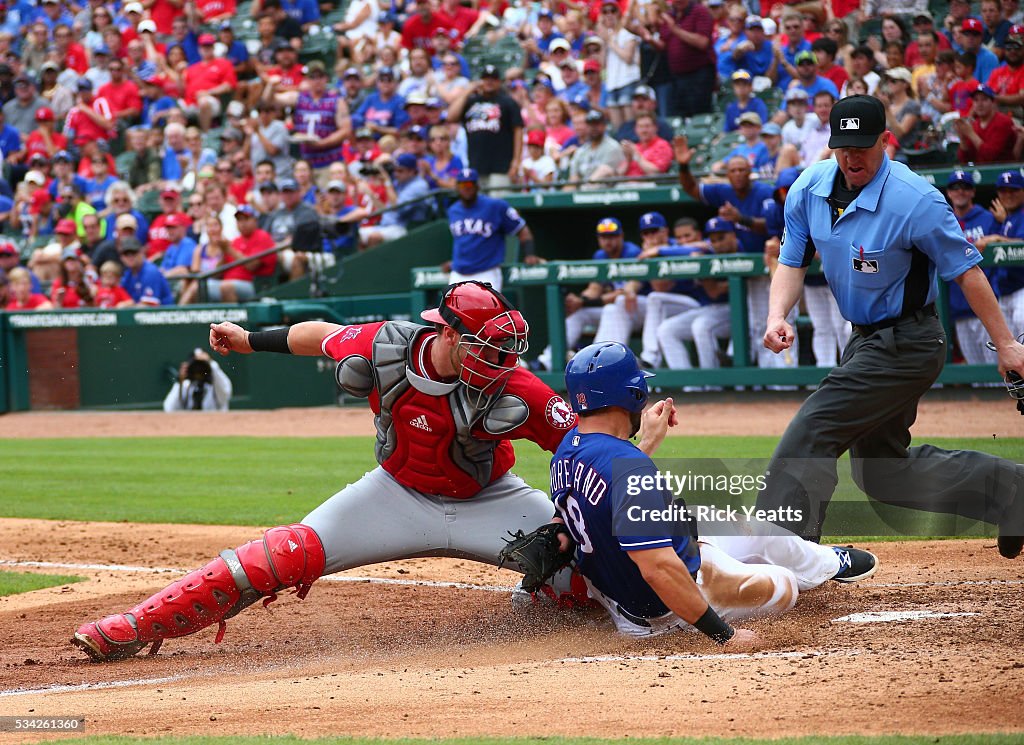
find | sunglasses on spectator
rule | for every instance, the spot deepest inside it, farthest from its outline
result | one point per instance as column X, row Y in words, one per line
column 223, row 170
column 440, row 139
column 794, row 26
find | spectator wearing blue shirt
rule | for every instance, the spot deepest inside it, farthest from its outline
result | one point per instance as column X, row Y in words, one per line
column 971, row 34
column 755, row 53
column 176, row 155
column 383, row 111
column 726, row 45
column 807, row 76
column 405, row 197
column 478, row 225
column 997, row 28
column 96, row 188
column 537, row 46
column 884, row 235
column 752, row 148
column 53, row 13
column 743, row 89
column 186, row 38
column 793, row 27
column 142, row 279
column 572, row 85
column 10, row 141
column 177, row 260
column 305, row 12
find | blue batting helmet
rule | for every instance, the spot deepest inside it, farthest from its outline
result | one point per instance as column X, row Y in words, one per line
column 606, row 374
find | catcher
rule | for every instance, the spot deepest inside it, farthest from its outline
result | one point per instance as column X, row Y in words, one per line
column 653, row 576
column 447, row 399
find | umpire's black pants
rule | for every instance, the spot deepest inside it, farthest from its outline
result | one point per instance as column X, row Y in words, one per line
column 866, row 406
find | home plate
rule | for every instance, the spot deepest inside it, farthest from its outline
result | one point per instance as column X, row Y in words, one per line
column 898, row 615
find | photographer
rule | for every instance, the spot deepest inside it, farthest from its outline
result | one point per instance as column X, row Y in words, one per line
column 201, row 386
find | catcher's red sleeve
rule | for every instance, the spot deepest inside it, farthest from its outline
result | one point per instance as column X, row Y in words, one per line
column 349, row 340
column 550, row 415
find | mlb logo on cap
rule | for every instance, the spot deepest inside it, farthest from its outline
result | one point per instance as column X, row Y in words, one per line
column 652, row 221
column 609, row 226
column 1010, row 180
column 852, row 123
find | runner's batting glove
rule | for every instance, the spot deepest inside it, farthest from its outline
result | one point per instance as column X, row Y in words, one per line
column 538, row 554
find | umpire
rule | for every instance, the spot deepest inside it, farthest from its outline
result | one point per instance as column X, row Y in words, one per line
column 883, row 233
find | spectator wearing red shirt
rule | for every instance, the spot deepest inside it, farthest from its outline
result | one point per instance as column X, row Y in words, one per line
column 159, row 238
column 72, row 288
column 651, row 155
column 237, row 283
column 454, row 14
column 206, row 80
column 686, row 28
column 1007, row 80
column 109, row 293
column 988, row 136
column 286, row 75
column 43, row 140
column 20, row 295
column 122, row 95
column 91, row 118
column 825, row 51
column 163, row 13
column 213, row 11
column 418, row 32
column 923, row 24
column 75, row 57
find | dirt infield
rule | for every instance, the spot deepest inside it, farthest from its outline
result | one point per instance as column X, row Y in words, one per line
column 991, row 415
column 397, row 658
column 401, row 659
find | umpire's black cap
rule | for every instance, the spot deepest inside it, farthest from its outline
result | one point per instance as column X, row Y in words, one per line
column 856, row 121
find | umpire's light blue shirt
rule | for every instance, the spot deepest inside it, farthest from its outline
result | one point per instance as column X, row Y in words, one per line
column 866, row 256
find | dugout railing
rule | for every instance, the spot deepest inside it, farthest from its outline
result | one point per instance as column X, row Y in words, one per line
column 553, row 277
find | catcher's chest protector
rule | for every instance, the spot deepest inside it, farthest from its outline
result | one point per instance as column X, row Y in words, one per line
column 424, row 428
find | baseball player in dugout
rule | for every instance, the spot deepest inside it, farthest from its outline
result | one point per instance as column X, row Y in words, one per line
column 883, row 233
column 448, row 399
column 653, row 574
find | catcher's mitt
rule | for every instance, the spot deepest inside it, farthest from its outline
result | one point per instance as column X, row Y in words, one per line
column 538, row 554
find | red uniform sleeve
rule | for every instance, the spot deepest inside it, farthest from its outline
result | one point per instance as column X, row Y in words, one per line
column 349, row 340
column 550, row 415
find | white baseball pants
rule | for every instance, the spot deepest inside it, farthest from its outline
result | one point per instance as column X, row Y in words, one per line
column 704, row 326
column 831, row 330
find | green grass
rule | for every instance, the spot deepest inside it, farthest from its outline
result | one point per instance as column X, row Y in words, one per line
column 12, row 583
column 268, row 481
column 976, row 739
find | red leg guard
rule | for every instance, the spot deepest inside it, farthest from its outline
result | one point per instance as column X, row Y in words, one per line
column 289, row 556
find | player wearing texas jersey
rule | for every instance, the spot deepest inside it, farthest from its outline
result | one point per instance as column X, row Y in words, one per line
column 479, row 224
column 446, row 399
column 641, row 557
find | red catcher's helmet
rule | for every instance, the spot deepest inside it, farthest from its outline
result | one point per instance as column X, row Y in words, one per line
column 493, row 334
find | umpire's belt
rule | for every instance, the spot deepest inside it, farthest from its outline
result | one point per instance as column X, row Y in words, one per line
column 868, row 329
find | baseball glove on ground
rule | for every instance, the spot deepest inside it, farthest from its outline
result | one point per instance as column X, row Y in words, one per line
column 538, row 554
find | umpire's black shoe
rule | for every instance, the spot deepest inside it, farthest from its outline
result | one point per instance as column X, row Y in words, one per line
column 1011, row 541
column 855, row 564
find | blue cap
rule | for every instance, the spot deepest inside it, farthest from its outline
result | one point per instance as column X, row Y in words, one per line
column 417, row 131
column 63, row 155
column 982, row 88
column 388, row 72
column 467, row 174
column 101, row 49
column 652, row 221
column 719, row 225
column 246, row 209
column 1010, row 180
column 582, row 102
column 771, row 128
column 84, row 84
column 406, row 160
column 960, row 176
column 387, row 17
column 786, row 178
column 609, row 226
column 287, row 184
column 545, row 13
column 606, row 374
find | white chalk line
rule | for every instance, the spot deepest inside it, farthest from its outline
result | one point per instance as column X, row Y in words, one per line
column 893, row 616
column 92, row 686
column 453, row 585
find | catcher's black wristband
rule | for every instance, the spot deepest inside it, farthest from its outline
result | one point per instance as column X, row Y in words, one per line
column 712, row 625
column 275, row 340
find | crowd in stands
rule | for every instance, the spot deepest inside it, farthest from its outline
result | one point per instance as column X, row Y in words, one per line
column 145, row 143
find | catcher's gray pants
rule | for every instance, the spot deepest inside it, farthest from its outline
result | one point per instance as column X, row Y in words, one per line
column 866, row 406
column 377, row 519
